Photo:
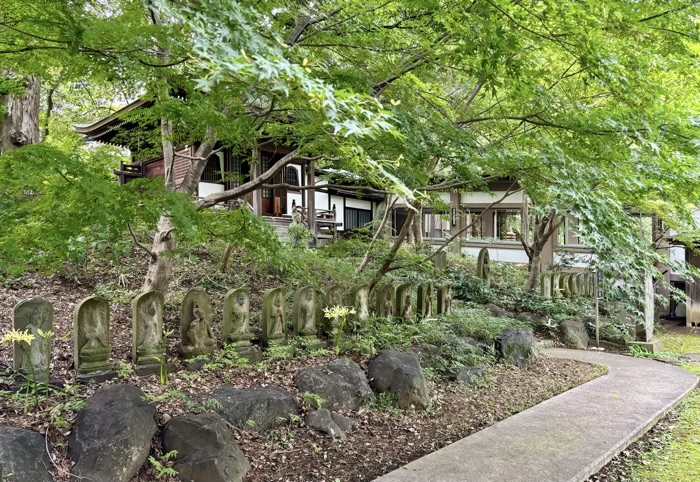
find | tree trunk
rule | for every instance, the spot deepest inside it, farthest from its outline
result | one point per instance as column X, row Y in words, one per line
column 161, row 265
column 418, row 227
column 535, row 269
column 20, row 125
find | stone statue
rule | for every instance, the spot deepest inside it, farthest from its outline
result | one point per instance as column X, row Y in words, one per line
column 333, row 297
column 360, row 299
column 444, row 300
column 236, row 325
column 556, row 287
column 196, row 334
column 148, row 347
column 483, row 267
column 273, row 317
column 386, row 301
column 33, row 359
column 404, row 303
column 91, row 348
column 305, row 313
column 441, row 260
column 571, row 281
column 546, row 285
column 425, row 300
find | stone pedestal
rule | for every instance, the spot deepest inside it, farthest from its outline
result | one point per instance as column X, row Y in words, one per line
column 652, row 346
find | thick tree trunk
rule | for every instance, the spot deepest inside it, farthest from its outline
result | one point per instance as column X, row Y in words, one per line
column 535, row 269
column 161, row 265
column 20, row 124
column 418, row 227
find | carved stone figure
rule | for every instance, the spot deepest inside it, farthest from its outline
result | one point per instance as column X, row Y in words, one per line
column 571, row 282
column 556, row 287
column 386, row 301
column 273, row 316
column 236, row 324
column 441, row 260
column 333, row 297
column 546, row 285
column 33, row 359
column 404, row 303
column 564, row 285
column 425, row 300
column 196, row 334
column 148, row 347
column 360, row 299
column 305, row 313
column 91, row 348
column 483, row 267
column 444, row 300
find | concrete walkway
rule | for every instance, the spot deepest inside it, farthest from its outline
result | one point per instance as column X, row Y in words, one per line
column 567, row 438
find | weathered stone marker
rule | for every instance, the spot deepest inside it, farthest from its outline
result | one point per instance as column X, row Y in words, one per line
column 305, row 314
column 91, row 347
column 148, row 348
column 273, row 317
column 359, row 296
column 444, row 300
column 425, row 300
column 196, row 334
column 483, row 267
column 556, row 285
column 440, row 260
column 546, row 285
column 404, row 303
column 235, row 329
column 33, row 315
column 333, row 297
column 386, row 301
column 564, row 285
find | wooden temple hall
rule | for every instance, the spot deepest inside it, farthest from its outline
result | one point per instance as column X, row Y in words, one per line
column 326, row 211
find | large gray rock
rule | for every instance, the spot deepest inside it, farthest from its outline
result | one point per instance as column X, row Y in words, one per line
column 111, row 438
column 496, row 310
column 341, row 384
column 400, row 373
column 206, row 449
column 468, row 375
column 574, row 333
column 322, row 421
column 257, row 408
column 514, row 345
column 23, row 456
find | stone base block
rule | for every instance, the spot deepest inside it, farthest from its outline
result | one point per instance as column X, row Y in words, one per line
column 653, row 346
column 252, row 353
column 97, row 377
column 154, row 369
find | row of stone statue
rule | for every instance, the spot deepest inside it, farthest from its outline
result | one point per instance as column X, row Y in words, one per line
column 567, row 285
column 92, row 348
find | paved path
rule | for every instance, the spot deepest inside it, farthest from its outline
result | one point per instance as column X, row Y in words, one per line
column 566, row 438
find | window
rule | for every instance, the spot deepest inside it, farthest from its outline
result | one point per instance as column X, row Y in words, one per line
column 473, row 220
column 435, row 225
column 291, row 177
column 356, row 218
column 508, row 224
column 567, row 233
column 215, row 169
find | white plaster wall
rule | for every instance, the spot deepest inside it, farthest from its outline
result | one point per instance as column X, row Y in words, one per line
column 295, row 197
column 339, row 211
column 489, row 197
column 677, row 253
column 321, row 199
column 358, row 204
column 499, row 254
column 446, row 197
column 581, row 260
column 207, row 188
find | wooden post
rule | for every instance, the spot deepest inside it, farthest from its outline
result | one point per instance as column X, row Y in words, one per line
column 311, row 195
column 257, row 171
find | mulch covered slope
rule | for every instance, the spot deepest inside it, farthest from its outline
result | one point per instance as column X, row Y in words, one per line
column 382, row 439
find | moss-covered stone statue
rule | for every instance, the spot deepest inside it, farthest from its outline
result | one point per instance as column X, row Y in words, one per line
column 91, row 347
column 483, row 267
column 404, row 303
column 386, row 301
column 148, row 347
column 235, row 329
column 34, row 316
column 444, row 300
column 546, row 285
column 305, row 314
column 273, row 317
column 556, row 287
column 197, row 336
column 424, row 300
column 333, row 297
column 359, row 296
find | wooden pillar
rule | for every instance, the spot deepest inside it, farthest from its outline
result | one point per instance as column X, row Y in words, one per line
column 257, row 171
column 457, row 221
column 311, row 195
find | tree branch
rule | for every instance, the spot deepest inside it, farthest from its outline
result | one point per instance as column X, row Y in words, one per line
column 142, row 246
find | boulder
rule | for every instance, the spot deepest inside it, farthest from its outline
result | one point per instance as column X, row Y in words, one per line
column 496, row 310
column 514, row 345
column 468, row 375
column 528, row 317
column 111, row 438
column 322, row 421
column 400, row 373
column 257, row 408
column 341, row 384
column 574, row 333
column 23, row 456
column 344, row 423
column 206, row 449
